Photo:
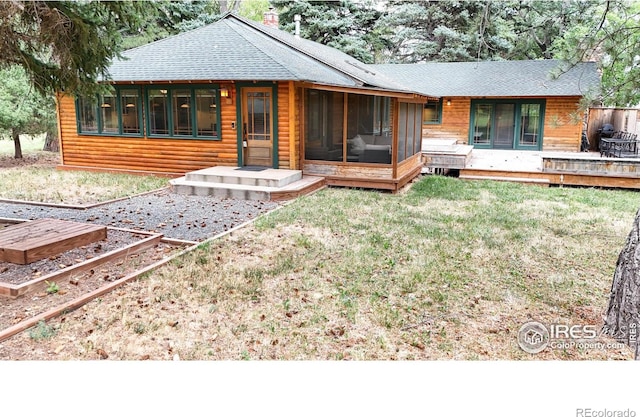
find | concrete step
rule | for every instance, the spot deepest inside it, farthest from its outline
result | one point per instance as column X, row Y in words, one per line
column 245, row 176
column 294, row 189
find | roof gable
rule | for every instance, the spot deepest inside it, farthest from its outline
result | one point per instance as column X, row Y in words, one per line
column 364, row 73
column 237, row 49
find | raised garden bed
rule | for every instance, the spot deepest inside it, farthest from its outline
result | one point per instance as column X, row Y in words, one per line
column 47, row 288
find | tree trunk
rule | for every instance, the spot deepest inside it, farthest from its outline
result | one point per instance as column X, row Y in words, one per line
column 17, row 146
column 51, row 143
column 623, row 313
column 229, row 5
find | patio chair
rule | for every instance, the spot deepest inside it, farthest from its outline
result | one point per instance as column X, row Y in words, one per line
column 626, row 146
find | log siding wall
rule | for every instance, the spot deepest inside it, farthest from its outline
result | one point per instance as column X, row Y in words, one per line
column 164, row 155
column 562, row 129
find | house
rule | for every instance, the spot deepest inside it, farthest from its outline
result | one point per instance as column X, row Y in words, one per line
column 242, row 94
column 502, row 104
column 239, row 93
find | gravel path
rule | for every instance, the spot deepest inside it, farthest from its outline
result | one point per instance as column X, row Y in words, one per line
column 177, row 216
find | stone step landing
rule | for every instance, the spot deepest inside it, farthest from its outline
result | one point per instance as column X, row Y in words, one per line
column 247, row 183
column 264, row 177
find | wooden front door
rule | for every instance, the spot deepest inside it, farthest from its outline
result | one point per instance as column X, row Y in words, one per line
column 257, row 129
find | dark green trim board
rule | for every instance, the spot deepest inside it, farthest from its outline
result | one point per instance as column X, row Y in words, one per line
column 274, row 116
column 492, row 107
column 274, row 101
column 238, row 122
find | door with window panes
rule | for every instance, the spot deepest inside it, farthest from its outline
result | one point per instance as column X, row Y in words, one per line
column 257, row 126
column 506, row 124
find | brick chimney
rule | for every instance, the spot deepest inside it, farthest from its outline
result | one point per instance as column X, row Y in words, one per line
column 270, row 18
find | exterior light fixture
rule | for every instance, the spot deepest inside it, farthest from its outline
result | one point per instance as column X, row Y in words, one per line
column 448, row 102
column 224, row 93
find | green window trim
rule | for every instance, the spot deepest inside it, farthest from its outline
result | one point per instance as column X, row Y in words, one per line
column 519, row 143
column 97, row 103
column 173, row 93
column 430, row 109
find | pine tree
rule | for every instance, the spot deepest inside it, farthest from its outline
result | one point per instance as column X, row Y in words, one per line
column 64, row 45
column 344, row 24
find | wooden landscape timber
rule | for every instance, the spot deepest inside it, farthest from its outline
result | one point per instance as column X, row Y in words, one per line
column 13, row 291
column 80, row 301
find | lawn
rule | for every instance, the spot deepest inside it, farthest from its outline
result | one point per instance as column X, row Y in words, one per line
column 36, row 178
column 446, row 270
column 29, row 144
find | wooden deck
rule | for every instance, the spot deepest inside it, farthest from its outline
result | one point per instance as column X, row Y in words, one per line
column 39, row 239
column 587, row 169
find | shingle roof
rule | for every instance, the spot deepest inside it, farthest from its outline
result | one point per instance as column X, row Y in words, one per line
column 236, row 49
column 335, row 58
column 494, row 78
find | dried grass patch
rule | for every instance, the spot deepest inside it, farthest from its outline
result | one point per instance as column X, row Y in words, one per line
column 48, row 185
column 347, row 274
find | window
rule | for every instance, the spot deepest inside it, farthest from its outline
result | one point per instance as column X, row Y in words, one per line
column 483, row 121
column 432, row 112
column 109, row 114
column 183, row 112
column 177, row 111
column 529, row 124
column 87, row 115
column 182, row 123
column 507, row 124
column 158, row 112
column 116, row 113
column 258, row 116
column 130, row 109
column 206, row 113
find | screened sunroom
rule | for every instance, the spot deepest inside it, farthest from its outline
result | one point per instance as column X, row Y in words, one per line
column 350, row 136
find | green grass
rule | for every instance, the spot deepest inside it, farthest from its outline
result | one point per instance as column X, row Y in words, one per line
column 47, row 184
column 448, row 270
column 447, row 242
column 29, row 145
column 35, row 178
